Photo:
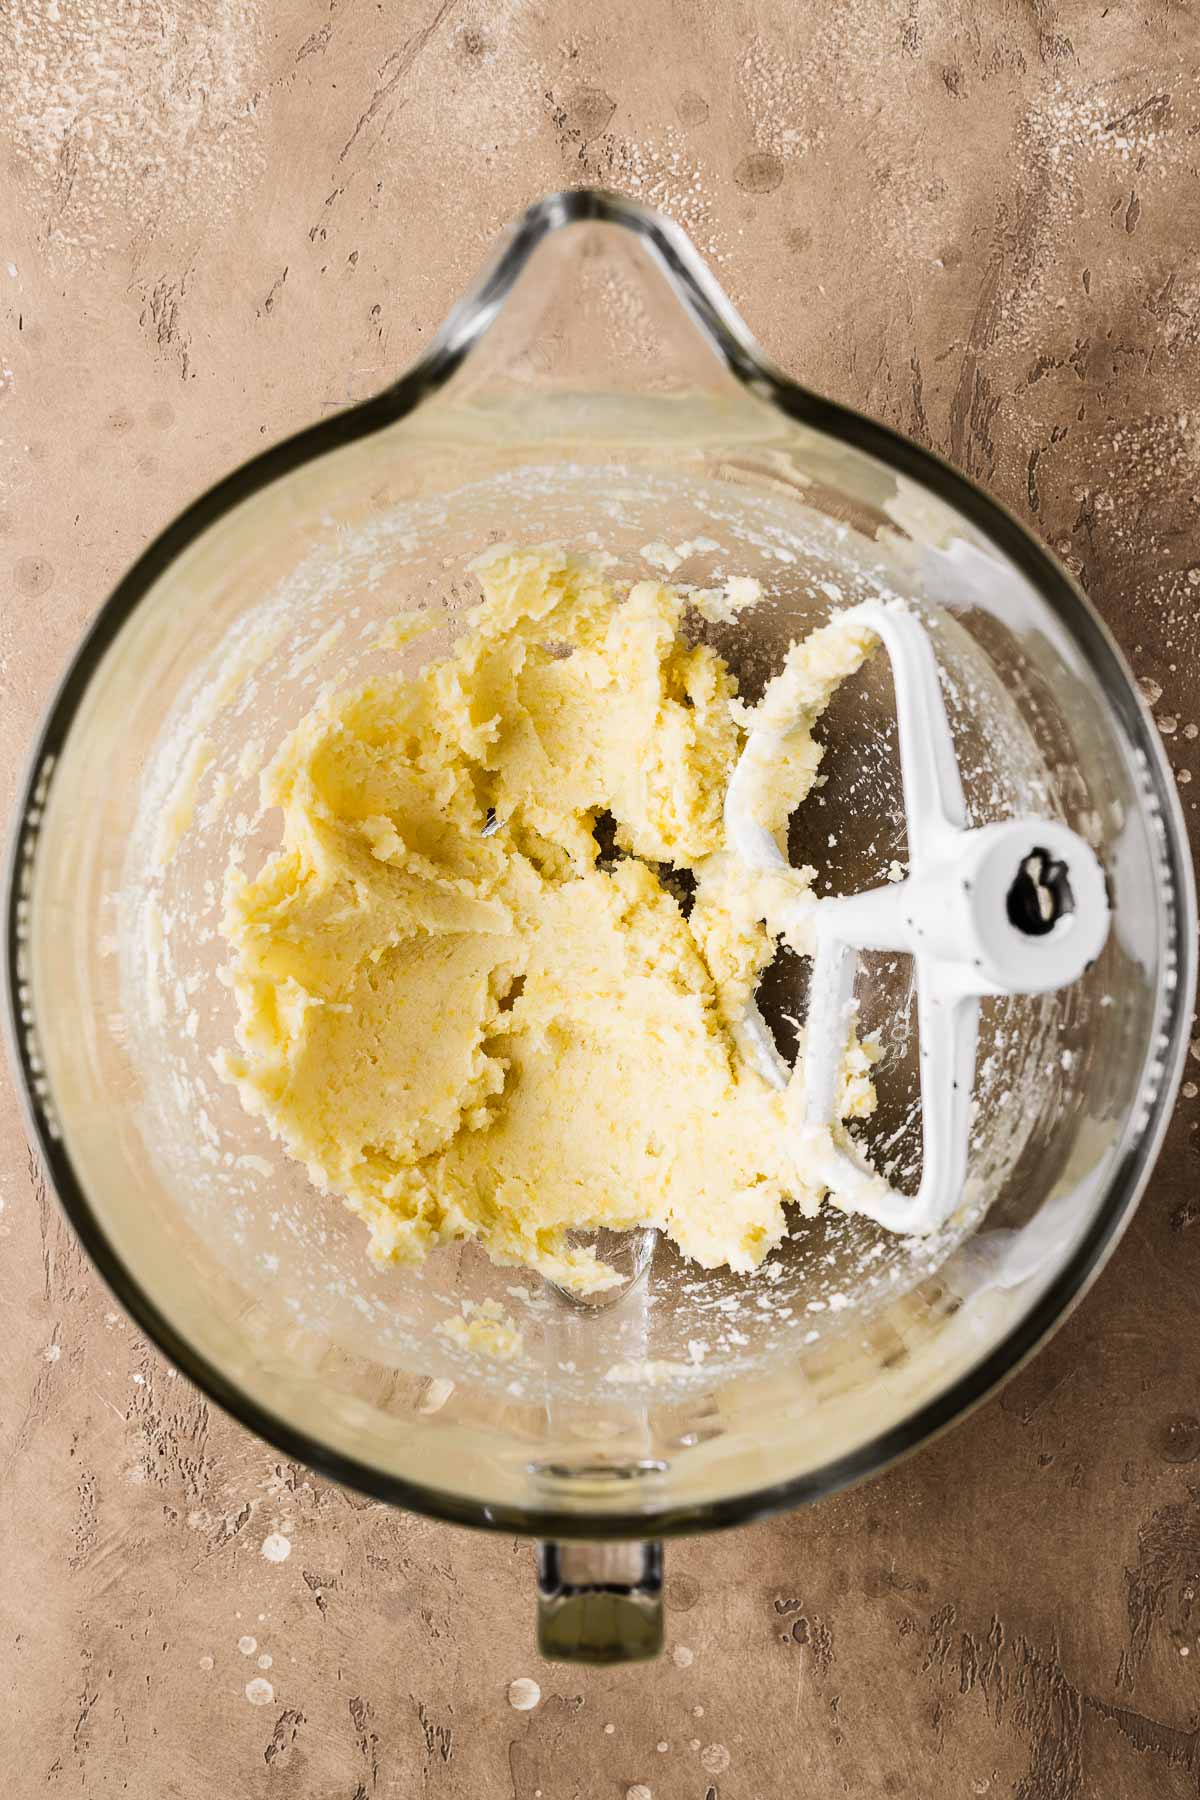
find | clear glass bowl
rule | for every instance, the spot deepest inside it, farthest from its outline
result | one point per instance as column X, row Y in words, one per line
column 594, row 389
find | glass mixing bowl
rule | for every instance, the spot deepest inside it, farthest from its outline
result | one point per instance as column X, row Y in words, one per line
column 595, row 389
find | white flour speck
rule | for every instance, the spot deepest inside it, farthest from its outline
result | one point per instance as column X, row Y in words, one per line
column 276, row 1548
column 682, row 1657
column 436, row 1395
column 265, row 1660
column 523, row 1694
column 714, row 1759
column 247, row 1645
column 259, row 1692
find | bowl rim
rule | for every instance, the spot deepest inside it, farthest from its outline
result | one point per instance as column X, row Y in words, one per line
column 718, row 321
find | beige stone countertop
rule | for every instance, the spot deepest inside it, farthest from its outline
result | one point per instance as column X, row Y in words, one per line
column 976, row 219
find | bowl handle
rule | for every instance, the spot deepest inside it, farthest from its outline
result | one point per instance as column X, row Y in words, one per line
column 600, row 1603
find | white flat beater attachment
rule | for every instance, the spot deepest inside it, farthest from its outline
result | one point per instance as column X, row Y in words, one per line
column 1016, row 907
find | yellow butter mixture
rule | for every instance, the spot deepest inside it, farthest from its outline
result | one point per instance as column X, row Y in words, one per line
column 490, row 984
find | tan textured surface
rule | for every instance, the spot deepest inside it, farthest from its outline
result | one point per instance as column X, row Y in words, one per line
column 978, row 220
